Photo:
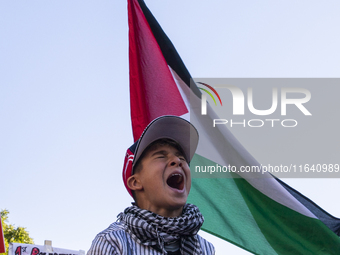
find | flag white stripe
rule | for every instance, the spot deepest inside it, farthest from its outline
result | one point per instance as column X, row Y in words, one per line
column 210, row 147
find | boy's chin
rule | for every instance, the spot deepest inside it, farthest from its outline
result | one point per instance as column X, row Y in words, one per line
column 177, row 203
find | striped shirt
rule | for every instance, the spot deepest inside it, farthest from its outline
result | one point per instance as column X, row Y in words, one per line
column 116, row 241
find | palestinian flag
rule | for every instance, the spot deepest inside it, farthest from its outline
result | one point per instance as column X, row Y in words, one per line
column 261, row 215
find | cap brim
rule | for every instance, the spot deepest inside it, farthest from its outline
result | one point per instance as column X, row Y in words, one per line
column 171, row 127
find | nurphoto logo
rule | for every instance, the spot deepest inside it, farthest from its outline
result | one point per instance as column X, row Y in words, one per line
column 279, row 102
column 204, row 97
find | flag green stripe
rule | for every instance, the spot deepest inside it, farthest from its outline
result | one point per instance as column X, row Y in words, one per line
column 213, row 196
column 288, row 231
column 277, row 228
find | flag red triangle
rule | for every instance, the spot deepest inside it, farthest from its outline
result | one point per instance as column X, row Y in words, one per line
column 153, row 91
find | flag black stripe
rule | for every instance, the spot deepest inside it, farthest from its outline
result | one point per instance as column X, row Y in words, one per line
column 329, row 220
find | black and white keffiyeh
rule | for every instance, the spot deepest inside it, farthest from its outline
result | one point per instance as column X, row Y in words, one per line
column 151, row 229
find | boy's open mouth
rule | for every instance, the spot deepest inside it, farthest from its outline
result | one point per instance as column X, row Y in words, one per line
column 176, row 181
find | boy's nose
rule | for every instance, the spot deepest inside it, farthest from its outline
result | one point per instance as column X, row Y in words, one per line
column 175, row 161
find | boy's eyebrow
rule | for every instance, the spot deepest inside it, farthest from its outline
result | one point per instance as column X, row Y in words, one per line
column 158, row 152
column 164, row 152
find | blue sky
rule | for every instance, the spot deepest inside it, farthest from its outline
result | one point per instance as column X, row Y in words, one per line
column 64, row 95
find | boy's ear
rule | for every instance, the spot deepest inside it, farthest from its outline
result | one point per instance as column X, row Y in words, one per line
column 134, row 183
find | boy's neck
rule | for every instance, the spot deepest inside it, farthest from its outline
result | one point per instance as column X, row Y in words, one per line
column 168, row 213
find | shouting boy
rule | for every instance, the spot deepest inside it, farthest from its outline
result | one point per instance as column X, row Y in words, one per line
column 157, row 175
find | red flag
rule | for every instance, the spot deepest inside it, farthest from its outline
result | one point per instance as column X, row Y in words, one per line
column 2, row 240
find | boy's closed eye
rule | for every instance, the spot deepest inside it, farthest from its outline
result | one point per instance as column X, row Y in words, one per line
column 164, row 154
